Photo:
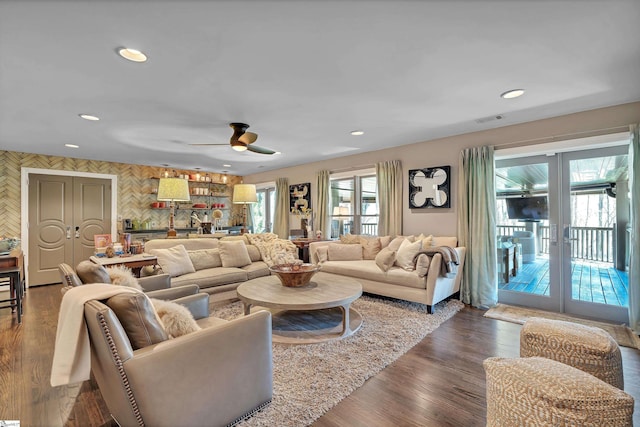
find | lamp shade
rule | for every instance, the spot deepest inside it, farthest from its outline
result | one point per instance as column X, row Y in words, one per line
column 244, row 193
column 173, row 189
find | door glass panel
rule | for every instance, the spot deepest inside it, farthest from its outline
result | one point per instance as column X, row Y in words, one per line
column 598, row 270
column 522, row 218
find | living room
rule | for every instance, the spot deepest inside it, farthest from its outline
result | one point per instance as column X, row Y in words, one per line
column 440, row 381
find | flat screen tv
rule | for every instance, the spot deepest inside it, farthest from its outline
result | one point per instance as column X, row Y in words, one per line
column 528, row 208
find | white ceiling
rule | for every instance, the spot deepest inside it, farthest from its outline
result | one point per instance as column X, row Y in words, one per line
column 303, row 74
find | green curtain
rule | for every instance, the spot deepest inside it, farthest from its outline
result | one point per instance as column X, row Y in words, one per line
column 281, row 215
column 389, row 183
column 634, row 222
column 477, row 226
column 323, row 204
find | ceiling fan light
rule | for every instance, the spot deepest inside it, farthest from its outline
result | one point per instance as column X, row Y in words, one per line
column 238, row 146
column 132, row 54
column 513, row 93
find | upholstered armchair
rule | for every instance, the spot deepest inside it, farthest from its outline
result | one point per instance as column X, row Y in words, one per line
column 214, row 376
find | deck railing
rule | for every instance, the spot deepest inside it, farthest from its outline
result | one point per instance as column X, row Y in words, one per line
column 587, row 243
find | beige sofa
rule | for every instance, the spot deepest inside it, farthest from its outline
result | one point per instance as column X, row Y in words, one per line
column 208, row 270
column 424, row 278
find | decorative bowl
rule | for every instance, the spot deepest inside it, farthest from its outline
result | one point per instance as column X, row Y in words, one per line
column 294, row 275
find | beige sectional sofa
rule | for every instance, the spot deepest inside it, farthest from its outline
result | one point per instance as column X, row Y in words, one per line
column 418, row 275
column 217, row 266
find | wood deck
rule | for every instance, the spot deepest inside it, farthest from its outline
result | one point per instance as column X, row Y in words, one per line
column 591, row 281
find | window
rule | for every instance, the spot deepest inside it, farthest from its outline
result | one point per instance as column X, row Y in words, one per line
column 354, row 205
column 264, row 210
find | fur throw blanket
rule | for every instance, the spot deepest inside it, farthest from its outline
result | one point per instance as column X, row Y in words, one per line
column 274, row 250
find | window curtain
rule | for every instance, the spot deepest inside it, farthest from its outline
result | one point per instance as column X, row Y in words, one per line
column 477, row 226
column 323, row 202
column 281, row 215
column 389, row 183
column 634, row 239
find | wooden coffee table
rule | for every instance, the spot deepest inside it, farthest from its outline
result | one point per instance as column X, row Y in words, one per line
column 317, row 312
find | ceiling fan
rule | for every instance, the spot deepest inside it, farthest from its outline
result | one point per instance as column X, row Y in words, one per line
column 241, row 140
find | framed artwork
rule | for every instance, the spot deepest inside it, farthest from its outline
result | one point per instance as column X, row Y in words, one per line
column 300, row 196
column 429, row 187
column 101, row 240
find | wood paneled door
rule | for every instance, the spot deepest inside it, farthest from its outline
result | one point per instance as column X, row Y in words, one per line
column 64, row 214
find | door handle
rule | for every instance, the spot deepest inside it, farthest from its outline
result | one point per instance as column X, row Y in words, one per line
column 566, row 234
column 68, row 232
column 77, row 232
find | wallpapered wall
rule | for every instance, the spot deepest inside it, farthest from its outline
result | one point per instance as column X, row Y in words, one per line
column 135, row 184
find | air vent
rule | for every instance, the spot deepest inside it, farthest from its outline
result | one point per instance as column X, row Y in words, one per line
column 490, row 118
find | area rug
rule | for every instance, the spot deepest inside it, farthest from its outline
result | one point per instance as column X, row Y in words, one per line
column 308, row 380
column 621, row 333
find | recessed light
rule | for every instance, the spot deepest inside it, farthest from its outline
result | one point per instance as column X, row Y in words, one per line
column 132, row 54
column 357, row 132
column 226, row 166
column 71, row 146
column 513, row 93
column 89, row 117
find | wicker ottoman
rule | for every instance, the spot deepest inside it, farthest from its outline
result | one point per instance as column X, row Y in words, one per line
column 536, row 391
column 584, row 347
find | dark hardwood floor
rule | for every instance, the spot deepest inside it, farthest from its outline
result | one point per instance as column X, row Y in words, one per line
column 440, row 382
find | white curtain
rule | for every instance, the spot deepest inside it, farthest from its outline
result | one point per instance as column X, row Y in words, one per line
column 477, row 226
column 281, row 215
column 634, row 239
column 323, row 202
column 389, row 183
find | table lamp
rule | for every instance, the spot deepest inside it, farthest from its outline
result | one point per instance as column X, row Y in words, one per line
column 244, row 194
column 173, row 190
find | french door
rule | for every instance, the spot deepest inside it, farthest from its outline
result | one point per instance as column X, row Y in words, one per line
column 573, row 257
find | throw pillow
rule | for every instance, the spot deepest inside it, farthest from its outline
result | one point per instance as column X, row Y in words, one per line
column 422, row 264
column 349, row 239
column 234, row 253
column 426, row 240
column 370, row 247
column 254, row 253
column 406, row 254
column 123, row 276
column 385, row 259
column 322, row 253
column 384, row 241
column 138, row 318
column 394, row 245
column 205, row 258
column 342, row 252
column 90, row 272
column 445, row 241
column 176, row 319
column 174, row 261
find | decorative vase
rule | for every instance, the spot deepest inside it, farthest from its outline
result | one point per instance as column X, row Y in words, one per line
column 303, row 225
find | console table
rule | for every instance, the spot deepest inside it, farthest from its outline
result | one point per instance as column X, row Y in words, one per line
column 11, row 267
column 134, row 262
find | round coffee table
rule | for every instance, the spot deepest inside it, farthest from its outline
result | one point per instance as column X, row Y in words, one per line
column 317, row 312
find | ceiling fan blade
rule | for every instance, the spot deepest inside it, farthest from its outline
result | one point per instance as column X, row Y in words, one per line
column 260, row 150
column 209, row 144
column 248, row 138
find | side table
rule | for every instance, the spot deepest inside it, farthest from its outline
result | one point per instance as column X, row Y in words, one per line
column 11, row 267
column 303, row 247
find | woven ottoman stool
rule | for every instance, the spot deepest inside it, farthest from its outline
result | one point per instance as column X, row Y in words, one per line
column 587, row 348
column 536, row 391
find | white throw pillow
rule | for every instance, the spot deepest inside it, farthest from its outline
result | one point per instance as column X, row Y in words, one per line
column 205, row 258
column 176, row 319
column 406, row 253
column 174, row 261
column 121, row 275
column 234, row 253
column 345, row 252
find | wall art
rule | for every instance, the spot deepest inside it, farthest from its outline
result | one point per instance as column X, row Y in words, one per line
column 300, row 197
column 429, row 187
